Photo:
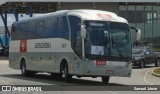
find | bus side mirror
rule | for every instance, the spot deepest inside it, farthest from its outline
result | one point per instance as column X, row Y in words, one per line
column 138, row 34
column 83, row 31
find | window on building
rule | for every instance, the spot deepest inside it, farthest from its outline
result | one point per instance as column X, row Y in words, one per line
column 139, row 14
column 123, row 11
column 131, row 14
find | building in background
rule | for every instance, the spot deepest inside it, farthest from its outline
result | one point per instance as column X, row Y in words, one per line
column 143, row 14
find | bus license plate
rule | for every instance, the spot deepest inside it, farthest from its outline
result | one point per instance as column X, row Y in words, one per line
column 100, row 63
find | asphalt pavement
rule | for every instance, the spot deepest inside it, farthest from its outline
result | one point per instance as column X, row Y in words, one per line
column 144, row 76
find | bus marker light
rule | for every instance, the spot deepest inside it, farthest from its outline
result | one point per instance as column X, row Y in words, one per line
column 109, row 71
column 100, row 63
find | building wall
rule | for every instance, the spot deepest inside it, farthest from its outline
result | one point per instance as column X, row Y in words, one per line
column 145, row 16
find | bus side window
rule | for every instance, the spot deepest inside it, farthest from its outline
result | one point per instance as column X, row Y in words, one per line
column 75, row 27
column 52, row 25
column 63, row 28
column 75, row 24
column 41, row 29
column 20, row 31
column 31, row 32
column 13, row 32
column 23, row 30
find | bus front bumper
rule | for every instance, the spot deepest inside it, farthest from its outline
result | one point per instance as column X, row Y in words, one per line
column 89, row 69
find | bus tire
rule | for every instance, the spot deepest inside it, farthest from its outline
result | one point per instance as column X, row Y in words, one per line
column 142, row 64
column 23, row 68
column 64, row 71
column 105, row 79
column 157, row 64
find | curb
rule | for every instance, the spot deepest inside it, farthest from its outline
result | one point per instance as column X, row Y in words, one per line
column 155, row 74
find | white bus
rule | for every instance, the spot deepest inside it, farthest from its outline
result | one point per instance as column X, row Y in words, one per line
column 82, row 43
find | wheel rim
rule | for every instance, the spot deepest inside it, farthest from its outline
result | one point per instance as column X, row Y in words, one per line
column 158, row 63
column 23, row 69
column 65, row 72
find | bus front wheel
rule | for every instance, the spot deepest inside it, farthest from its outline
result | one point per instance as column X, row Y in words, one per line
column 157, row 64
column 105, row 79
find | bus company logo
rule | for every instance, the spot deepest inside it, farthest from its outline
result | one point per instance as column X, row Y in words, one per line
column 23, row 45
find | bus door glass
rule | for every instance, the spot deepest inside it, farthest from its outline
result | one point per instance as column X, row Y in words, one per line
column 76, row 43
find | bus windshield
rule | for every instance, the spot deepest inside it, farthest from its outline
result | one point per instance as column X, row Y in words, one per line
column 107, row 39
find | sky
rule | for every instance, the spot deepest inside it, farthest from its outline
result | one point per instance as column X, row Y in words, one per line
column 11, row 18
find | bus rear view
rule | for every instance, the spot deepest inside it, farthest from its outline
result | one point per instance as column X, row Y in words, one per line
column 92, row 43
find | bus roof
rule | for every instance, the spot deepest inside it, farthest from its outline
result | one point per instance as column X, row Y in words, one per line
column 85, row 14
column 88, row 14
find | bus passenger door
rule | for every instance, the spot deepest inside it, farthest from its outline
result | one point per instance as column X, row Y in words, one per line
column 78, row 44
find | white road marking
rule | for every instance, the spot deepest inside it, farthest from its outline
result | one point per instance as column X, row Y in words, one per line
column 10, row 72
column 145, row 80
column 4, row 82
column 113, row 92
column 147, row 75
